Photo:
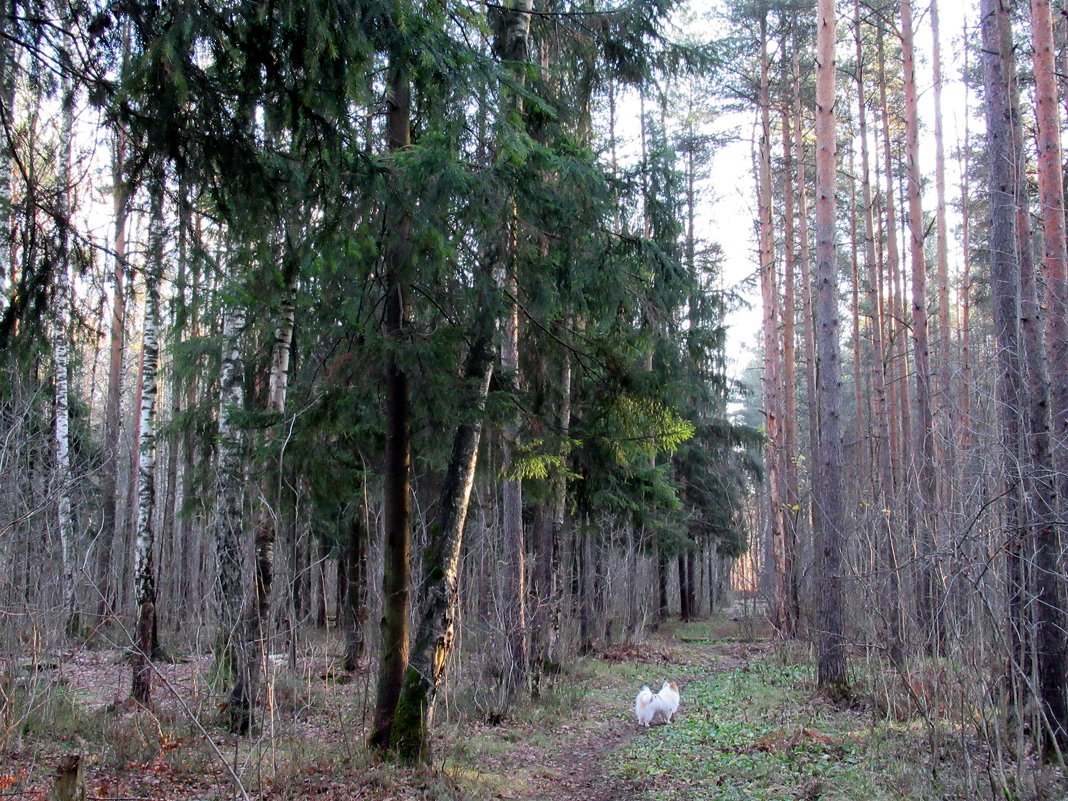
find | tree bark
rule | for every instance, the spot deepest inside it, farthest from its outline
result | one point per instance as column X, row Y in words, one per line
column 61, row 356
column 830, row 500
column 929, row 601
column 112, row 423
column 145, row 534
column 8, row 68
column 880, row 448
column 355, row 563
column 946, row 409
column 1005, row 289
column 805, row 263
column 772, row 357
column 436, row 633
column 229, row 513
column 900, row 419
column 511, row 45
column 393, row 647
column 1047, row 536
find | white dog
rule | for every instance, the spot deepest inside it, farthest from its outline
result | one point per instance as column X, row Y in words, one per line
column 664, row 703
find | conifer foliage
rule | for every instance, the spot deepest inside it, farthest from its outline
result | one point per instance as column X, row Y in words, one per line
column 379, row 300
column 401, row 326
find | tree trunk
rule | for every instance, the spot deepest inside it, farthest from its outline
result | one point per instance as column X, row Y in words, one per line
column 772, row 358
column 256, row 625
column 1005, row 289
column 893, row 322
column 880, row 448
column 792, row 500
column 829, row 486
column 112, row 423
column 229, row 501
column 145, row 535
column 355, row 562
column 805, row 262
column 8, row 67
column 511, row 45
column 946, row 410
column 1047, row 537
column 965, row 441
column 436, row 632
column 393, row 643
column 61, row 355
column 929, row 601
column 549, row 661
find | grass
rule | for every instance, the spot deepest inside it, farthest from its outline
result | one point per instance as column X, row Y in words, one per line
column 751, row 726
column 761, row 732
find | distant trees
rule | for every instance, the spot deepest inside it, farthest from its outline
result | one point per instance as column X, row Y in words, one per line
column 928, row 498
column 389, row 321
column 325, row 222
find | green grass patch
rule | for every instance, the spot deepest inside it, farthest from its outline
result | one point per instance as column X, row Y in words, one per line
column 755, row 733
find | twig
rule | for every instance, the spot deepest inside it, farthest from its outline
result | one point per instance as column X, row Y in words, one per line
column 185, row 707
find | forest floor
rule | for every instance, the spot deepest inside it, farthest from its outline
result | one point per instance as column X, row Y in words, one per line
column 751, row 725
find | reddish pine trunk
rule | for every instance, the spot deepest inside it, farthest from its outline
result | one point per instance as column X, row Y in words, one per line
column 1047, row 538
column 880, row 450
column 829, row 486
column 792, row 504
column 804, row 259
column 772, row 380
column 930, row 588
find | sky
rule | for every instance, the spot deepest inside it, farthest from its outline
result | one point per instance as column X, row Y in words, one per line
column 729, row 219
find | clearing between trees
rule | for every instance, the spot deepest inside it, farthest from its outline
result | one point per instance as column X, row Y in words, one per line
column 751, row 726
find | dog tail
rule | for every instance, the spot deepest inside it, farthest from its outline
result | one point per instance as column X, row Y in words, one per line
column 645, row 695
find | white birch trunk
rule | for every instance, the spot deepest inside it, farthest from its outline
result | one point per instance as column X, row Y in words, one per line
column 61, row 355
column 144, row 573
column 230, row 482
column 7, row 97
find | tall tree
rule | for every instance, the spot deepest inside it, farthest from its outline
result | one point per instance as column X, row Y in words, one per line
column 829, row 487
column 804, row 258
column 393, row 647
column 61, row 357
column 511, row 46
column 120, row 189
column 791, row 499
column 929, row 601
column 1047, row 540
column 256, row 624
column 772, row 357
column 436, row 632
column 945, row 401
column 228, row 525
column 881, row 464
column 145, row 534
column 998, row 81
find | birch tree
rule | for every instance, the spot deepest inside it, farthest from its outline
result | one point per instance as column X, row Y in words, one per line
column 145, row 534
column 61, row 357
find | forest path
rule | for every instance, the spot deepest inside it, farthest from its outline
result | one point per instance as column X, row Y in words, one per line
column 578, row 757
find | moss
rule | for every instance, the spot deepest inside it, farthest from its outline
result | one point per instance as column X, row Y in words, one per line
column 410, row 741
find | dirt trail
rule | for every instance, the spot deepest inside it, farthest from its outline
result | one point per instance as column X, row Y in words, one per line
column 580, row 763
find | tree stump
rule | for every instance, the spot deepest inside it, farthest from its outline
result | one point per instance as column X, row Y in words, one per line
column 70, row 779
